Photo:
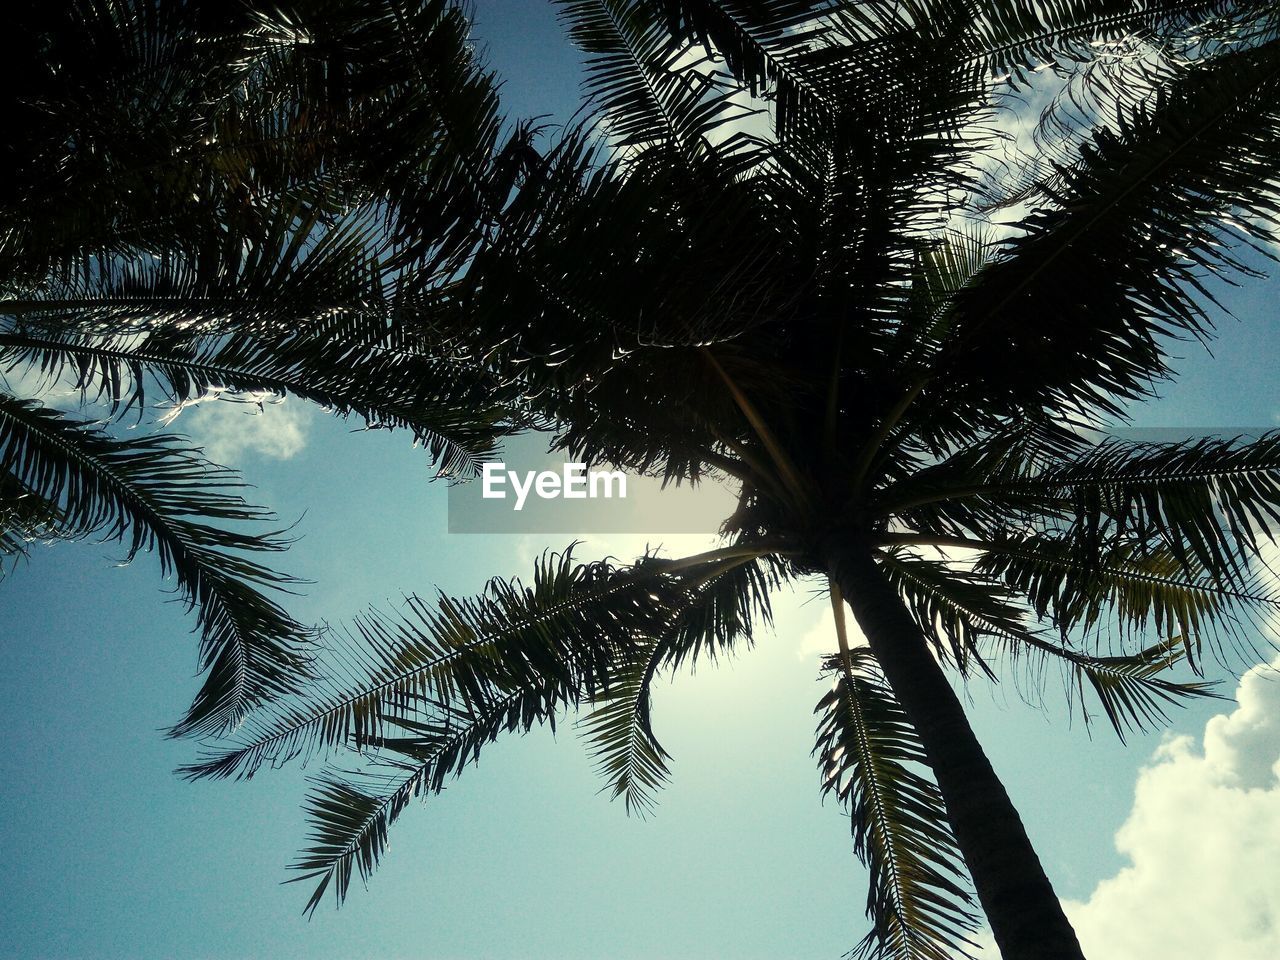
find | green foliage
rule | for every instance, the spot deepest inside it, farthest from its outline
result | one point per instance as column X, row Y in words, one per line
column 190, row 209
column 24, row 517
column 769, row 255
column 724, row 603
column 425, row 689
column 620, row 729
column 153, row 493
column 872, row 762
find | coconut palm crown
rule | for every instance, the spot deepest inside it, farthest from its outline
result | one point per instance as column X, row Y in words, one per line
column 793, row 246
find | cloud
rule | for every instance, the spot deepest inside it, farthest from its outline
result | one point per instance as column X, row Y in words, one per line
column 820, row 639
column 1203, row 841
column 1203, row 844
column 251, row 424
column 229, row 431
column 31, row 383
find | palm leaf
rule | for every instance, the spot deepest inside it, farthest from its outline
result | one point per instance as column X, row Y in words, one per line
column 648, row 92
column 1138, row 589
column 973, row 614
column 620, row 733
column 870, row 760
column 1208, row 502
column 954, row 608
column 25, row 517
column 455, row 412
column 1146, row 198
column 721, row 607
column 1132, row 693
column 428, row 689
column 420, row 694
column 1013, row 37
column 564, row 635
column 145, row 492
column 351, row 812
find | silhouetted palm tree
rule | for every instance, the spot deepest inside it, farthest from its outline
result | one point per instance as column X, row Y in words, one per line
column 804, row 299
column 231, row 199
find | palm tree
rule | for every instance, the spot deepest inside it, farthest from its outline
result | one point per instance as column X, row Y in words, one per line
column 770, row 255
column 191, row 207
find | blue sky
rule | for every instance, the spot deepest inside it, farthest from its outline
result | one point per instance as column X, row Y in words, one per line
column 109, row 855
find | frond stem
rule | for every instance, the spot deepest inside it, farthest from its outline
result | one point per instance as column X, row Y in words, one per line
column 786, row 467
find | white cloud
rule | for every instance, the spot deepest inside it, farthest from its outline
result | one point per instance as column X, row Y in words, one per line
column 1203, row 845
column 230, row 430
column 30, row 383
column 820, row 639
column 1203, row 841
column 227, row 430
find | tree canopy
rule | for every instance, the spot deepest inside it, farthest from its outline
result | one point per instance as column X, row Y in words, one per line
column 792, row 243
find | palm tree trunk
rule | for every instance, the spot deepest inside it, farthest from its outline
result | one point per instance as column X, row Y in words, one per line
column 1024, row 912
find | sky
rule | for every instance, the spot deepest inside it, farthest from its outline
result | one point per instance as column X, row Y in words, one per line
column 1168, row 847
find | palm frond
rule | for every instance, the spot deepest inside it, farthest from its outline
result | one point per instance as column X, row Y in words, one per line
column 871, row 760
column 350, row 816
column 197, row 200
column 563, row 635
column 619, row 731
column 651, row 95
column 722, row 606
column 1208, row 503
column 25, row 517
column 153, row 493
column 351, row 812
column 778, row 50
column 1137, row 529
column 293, row 265
column 1130, row 590
column 954, row 606
column 751, row 35
column 453, row 410
column 1130, row 689
column 429, row 688
column 1145, row 213
column 1012, row 38
column 248, row 109
column 975, row 613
